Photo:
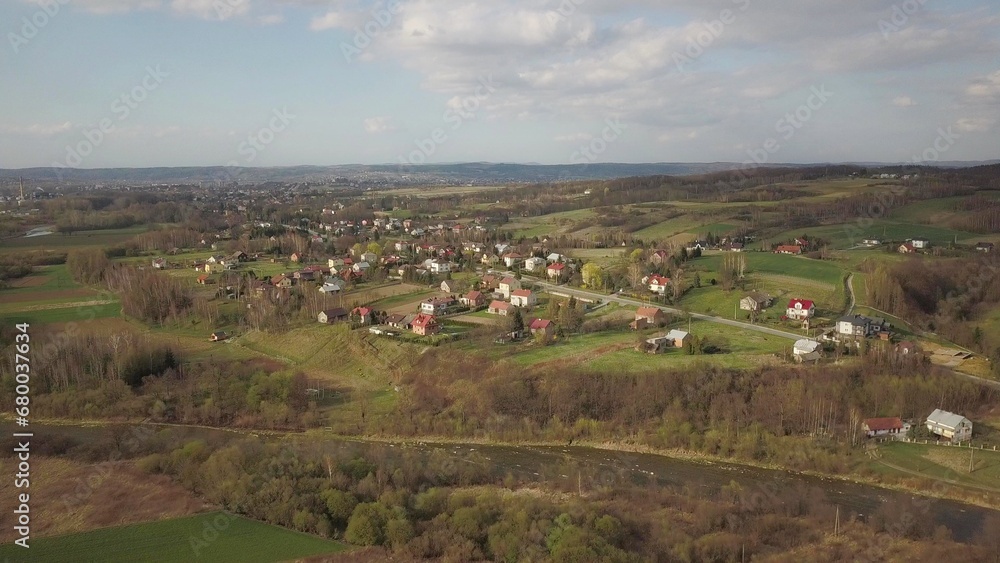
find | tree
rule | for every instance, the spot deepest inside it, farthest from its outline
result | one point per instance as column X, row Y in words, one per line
column 593, row 275
column 374, row 248
column 516, row 322
column 367, row 525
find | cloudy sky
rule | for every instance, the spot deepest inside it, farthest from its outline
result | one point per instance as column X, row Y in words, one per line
column 100, row 83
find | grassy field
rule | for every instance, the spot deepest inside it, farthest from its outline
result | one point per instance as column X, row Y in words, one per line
column 614, row 351
column 944, row 462
column 848, row 235
column 50, row 295
column 59, row 242
column 768, row 263
column 216, row 536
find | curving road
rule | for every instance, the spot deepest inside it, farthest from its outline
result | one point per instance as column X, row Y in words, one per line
column 637, row 303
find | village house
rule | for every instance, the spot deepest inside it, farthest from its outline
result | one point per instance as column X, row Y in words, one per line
column 283, row 281
column 878, row 427
column 906, row 248
column 755, row 302
column 800, row 309
column 333, row 263
column 508, row 285
column 369, row 257
column 331, row 287
column 523, row 298
column 361, row 267
column 425, row 325
column 951, row 426
column 364, row 315
column 400, row 321
column 439, row 266
column 534, row 263
column 543, row 326
column 907, row 348
column 437, row 305
column 238, row 256
column 658, row 284
column 332, row 315
column 218, row 336
column 473, row 299
column 871, row 242
column 555, row 270
column 788, row 249
column 984, row 247
column 501, row 308
column 647, row 317
column 449, row 286
column 920, row 243
column 159, row 263
column 698, row 245
column 673, row 339
column 659, row 257
column 489, row 282
column 511, row 258
column 203, row 279
column 295, row 257
column 805, row 350
column 860, row 326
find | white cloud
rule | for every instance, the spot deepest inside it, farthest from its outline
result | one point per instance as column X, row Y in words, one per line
column 974, row 124
column 334, row 20
column 38, row 129
column 211, row 9
column 380, row 124
column 903, row 102
column 985, row 88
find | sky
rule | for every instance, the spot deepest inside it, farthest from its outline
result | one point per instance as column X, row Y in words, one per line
column 138, row 83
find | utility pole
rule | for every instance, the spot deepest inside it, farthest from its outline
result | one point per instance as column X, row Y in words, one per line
column 972, row 454
column 836, row 524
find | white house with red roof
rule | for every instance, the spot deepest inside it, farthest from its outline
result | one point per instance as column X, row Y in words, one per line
column 555, row 270
column 501, row 308
column 523, row 298
column 800, row 309
column 658, row 284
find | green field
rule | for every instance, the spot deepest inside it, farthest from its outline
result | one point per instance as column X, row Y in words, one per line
column 768, row 263
column 942, row 462
column 849, row 235
column 65, row 242
column 72, row 313
column 216, row 537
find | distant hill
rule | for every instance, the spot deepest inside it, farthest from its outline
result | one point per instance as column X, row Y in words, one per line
column 481, row 173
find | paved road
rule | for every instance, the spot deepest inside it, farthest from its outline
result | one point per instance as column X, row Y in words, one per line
column 636, row 303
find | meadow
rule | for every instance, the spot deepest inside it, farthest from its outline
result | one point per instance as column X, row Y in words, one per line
column 214, row 536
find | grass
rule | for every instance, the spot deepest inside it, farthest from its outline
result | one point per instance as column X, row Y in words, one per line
column 847, row 235
column 777, row 264
column 70, row 313
column 945, row 462
column 215, row 536
column 77, row 240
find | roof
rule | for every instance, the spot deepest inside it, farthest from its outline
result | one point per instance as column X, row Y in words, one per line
column 362, row 311
column 509, row 280
column 335, row 312
column 789, row 248
column 675, row 334
column 540, row 324
column 658, row 279
column 501, row 305
column 473, row 295
column 424, row 320
column 879, row 424
column 806, row 304
column 647, row 312
column 856, row 320
column 806, row 346
column 945, row 418
column 521, row 293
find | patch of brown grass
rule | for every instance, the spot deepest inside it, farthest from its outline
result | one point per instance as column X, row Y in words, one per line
column 68, row 496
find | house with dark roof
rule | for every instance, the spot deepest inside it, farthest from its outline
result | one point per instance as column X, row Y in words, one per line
column 877, row 427
column 332, row 315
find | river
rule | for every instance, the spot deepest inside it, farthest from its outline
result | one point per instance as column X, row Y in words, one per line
column 569, row 467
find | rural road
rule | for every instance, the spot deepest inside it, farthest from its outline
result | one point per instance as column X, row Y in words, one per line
column 850, row 291
column 636, row 303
